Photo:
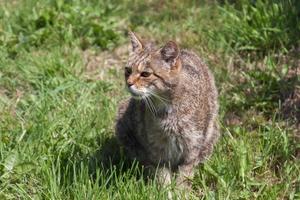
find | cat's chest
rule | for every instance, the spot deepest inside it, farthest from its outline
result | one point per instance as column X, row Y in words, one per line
column 160, row 137
column 155, row 127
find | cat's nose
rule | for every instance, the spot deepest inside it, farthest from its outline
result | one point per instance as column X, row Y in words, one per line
column 130, row 83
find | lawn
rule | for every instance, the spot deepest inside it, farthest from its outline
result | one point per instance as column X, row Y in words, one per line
column 61, row 78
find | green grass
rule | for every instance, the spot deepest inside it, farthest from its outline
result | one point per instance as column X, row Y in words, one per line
column 261, row 26
column 57, row 115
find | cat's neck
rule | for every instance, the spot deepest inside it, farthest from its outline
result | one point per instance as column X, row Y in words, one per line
column 163, row 105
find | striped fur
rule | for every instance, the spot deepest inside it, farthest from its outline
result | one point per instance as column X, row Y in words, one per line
column 171, row 119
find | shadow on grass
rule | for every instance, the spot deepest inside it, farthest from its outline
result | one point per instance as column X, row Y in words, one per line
column 109, row 154
column 111, row 158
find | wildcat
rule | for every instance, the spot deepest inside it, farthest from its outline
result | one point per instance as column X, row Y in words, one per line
column 170, row 121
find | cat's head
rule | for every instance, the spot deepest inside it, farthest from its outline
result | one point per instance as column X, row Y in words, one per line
column 151, row 71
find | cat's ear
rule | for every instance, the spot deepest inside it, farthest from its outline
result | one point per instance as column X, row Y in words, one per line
column 135, row 41
column 170, row 53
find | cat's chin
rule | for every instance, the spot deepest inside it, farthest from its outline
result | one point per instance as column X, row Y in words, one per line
column 139, row 97
column 138, row 94
column 136, row 97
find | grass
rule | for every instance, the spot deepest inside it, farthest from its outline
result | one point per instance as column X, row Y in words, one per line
column 57, row 114
column 261, row 26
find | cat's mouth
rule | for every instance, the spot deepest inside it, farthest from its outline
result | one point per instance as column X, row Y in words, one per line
column 138, row 93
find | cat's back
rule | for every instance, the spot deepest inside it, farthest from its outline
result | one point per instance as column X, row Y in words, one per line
column 197, row 73
column 199, row 85
column 192, row 63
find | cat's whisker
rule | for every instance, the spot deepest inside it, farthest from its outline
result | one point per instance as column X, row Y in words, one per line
column 148, row 104
column 145, row 100
column 162, row 99
column 154, row 111
column 153, row 106
column 158, row 96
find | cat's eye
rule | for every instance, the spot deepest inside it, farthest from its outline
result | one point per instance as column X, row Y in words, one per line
column 145, row 74
column 128, row 70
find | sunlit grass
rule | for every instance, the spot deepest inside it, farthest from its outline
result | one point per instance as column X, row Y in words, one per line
column 56, row 122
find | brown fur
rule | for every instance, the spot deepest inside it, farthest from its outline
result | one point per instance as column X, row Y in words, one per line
column 171, row 119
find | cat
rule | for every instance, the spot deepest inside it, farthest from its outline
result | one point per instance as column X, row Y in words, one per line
column 170, row 121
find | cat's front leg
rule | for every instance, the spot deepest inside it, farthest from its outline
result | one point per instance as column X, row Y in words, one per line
column 185, row 175
column 163, row 176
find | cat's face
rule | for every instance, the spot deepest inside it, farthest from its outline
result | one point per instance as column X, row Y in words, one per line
column 150, row 71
